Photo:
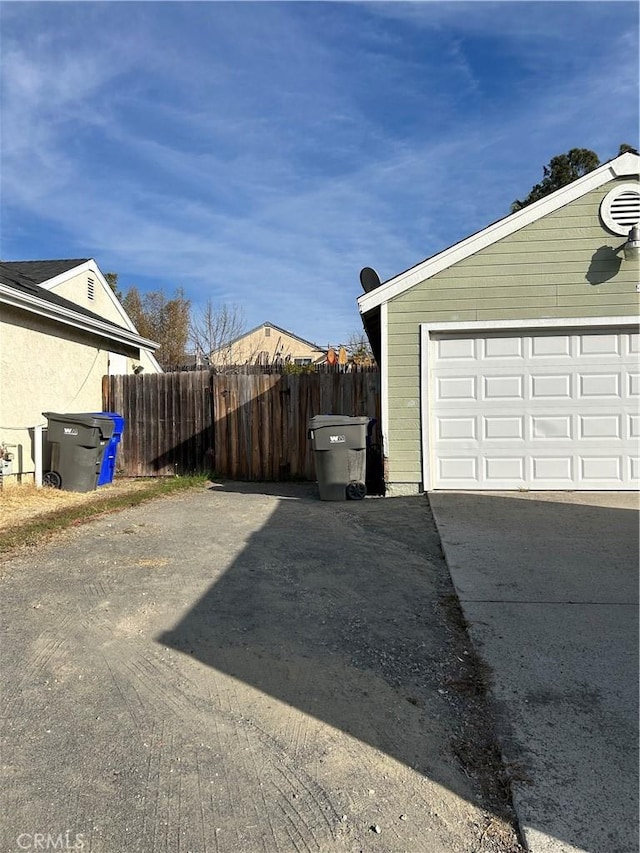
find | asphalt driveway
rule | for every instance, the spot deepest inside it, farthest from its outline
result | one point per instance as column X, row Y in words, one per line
column 549, row 585
column 241, row 669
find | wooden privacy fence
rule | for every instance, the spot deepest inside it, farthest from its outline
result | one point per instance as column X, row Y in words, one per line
column 241, row 427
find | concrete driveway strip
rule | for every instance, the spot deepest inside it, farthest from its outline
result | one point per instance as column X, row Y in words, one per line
column 548, row 583
column 243, row 670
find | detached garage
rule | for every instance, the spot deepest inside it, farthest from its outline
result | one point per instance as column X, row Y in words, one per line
column 512, row 359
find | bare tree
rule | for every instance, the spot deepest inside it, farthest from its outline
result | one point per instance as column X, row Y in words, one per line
column 213, row 329
column 360, row 349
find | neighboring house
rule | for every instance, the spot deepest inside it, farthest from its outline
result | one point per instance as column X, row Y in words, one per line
column 510, row 360
column 61, row 330
column 267, row 344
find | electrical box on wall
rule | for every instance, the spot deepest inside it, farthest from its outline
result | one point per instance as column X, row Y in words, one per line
column 6, row 461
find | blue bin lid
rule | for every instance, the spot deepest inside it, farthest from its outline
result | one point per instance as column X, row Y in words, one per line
column 117, row 419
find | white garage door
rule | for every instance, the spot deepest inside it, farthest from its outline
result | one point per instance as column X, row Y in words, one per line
column 535, row 410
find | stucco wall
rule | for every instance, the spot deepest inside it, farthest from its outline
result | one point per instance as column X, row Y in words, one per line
column 75, row 290
column 547, row 269
column 43, row 370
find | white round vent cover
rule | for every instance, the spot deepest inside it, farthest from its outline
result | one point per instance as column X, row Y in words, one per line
column 620, row 208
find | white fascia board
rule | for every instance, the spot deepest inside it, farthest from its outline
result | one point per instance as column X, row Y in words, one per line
column 91, row 267
column 111, row 295
column 71, row 318
column 627, row 165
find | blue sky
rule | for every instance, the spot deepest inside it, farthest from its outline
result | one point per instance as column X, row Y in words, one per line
column 261, row 153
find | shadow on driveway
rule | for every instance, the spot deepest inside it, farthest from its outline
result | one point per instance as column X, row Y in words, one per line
column 345, row 611
column 247, row 670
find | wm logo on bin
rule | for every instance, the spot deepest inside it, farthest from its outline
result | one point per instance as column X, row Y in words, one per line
column 337, row 439
column 70, row 430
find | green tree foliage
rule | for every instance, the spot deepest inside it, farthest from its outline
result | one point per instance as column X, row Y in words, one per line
column 560, row 171
column 564, row 169
column 161, row 319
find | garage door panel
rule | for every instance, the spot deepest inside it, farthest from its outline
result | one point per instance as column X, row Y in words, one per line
column 457, row 388
column 600, row 426
column 599, row 385
column 609, row 344
column 539, row 411
column 502, row 347
column 552, row 469
column 455, row 349
column 552, row 385
column 498, row 469
column 550, row 346
column 503, row 387
column 594, row 469
column 460, row 469
column 503, row 427
column 552, row 427
column 453, row 428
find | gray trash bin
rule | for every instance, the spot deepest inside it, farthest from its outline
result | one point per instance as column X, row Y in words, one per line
column 340, row 451
column 77, row 444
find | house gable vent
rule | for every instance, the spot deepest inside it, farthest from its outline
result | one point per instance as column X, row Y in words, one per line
column 91, row 292
column 620, row 208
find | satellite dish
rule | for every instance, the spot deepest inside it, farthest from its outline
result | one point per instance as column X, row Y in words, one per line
column 369, row 279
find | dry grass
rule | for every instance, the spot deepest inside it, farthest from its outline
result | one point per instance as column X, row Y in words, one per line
column 20, row 503
column 31, row 515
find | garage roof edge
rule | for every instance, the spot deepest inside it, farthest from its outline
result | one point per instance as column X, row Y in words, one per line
column 626, row 165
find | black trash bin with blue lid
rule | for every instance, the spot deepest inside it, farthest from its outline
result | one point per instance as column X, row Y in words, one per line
column 340, row 451
column 108, row 466
column 78, row 441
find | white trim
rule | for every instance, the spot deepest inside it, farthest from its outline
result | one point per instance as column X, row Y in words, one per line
column 25, row 301
column 605, row 209
column 626, row 165
column 425, row 406
column 37, row 455
column 547, row 322
column 384, row 378
column 479, row 326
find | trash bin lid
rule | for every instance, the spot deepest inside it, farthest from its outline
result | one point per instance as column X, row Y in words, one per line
column 319, row 421
column 117, row 419
column 85, row 419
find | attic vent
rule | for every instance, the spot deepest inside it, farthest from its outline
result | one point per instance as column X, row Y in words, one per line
column 620, row 208
column 90, row 289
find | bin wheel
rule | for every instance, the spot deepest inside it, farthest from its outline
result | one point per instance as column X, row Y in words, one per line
column 52, row 479
column 356, row 490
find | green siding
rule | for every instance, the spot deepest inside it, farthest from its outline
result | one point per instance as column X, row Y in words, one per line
column 538, row 272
